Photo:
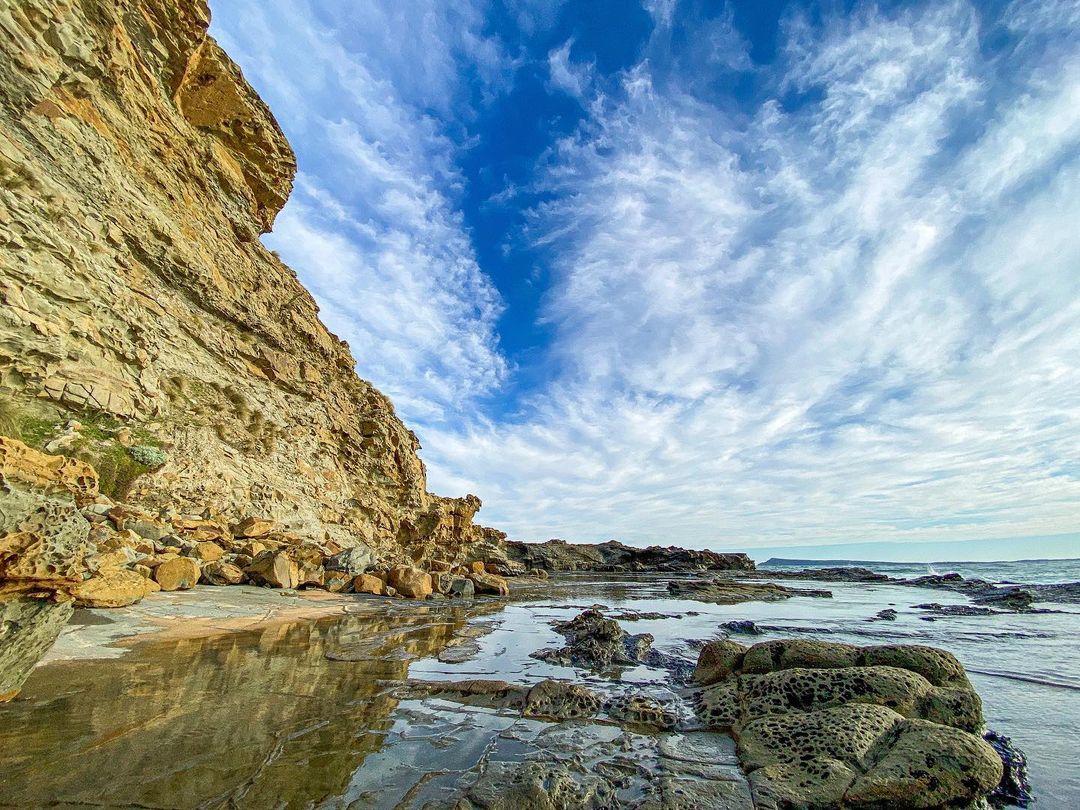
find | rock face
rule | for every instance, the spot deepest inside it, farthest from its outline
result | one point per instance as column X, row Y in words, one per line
column 28, row 628
column 44, row 539
column 138, row 169
column 834, row 725
column 558, row 555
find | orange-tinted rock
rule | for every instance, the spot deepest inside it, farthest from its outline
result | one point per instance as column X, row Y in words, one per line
column 222, row 573
column 113, row 588
column 490, row 584
column 410, row 582
column 275, row 569
column 253, row 527
column 369, row 583
column 208, row 552
column 180, row 574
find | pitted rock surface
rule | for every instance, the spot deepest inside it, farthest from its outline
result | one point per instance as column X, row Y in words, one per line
column 598, row 643
column 820, row 724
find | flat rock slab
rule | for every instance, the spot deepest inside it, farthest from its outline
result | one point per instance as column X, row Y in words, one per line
column 202, row 611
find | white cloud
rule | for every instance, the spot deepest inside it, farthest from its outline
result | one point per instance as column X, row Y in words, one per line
column 857, row 319
column 572, row 79
column 852, row 314
column 371, row 94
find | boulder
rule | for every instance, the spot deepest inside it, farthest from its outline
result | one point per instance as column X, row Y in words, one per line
column 821, row 724
column 253, row 549
column 411, row 582
column 28, row 628
column 461, row 588
column 207, row 551
column 337, row 581
column 717, row 660
column 118, row 587
column 353, row 561
column 222, row 573
column 275, row 569
column 180, row 574
column 490, row 584
column 368, row 583
column 253, row 527
column 597, row 643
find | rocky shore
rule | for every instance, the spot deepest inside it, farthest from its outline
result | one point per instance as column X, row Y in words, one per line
column 175, row 416
column 1008, row 596
column 614, row 557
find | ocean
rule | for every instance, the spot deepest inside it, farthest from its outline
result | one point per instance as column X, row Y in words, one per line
column 1026, row 571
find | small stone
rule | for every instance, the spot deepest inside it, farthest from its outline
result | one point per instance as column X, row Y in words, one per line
column 477, row 567
column 180, row 574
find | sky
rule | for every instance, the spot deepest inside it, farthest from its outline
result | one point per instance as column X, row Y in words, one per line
column 724, row 275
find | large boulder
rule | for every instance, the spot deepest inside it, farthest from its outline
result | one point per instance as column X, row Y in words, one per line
column 410, row 582
column 179, row 574
column 274, row 569
column 820, row 724
column 113, row 588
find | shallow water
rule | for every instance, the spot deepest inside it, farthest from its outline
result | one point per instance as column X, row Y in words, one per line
column 309, row 714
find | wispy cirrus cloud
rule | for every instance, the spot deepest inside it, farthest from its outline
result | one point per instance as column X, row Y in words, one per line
column 842, row 307
column 856, row 316
column 374, row 97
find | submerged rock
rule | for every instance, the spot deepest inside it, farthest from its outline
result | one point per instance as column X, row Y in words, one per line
column 727, row 592
column 1014, row 790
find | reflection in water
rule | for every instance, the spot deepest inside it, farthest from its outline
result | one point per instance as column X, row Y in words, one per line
column 276, row 718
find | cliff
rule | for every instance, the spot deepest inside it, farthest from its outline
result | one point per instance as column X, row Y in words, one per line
column 138, row 169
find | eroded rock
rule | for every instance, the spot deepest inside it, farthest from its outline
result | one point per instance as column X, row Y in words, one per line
column 28, row 628
column 820, row 724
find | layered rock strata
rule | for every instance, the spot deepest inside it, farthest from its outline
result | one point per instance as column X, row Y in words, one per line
column 143, row 325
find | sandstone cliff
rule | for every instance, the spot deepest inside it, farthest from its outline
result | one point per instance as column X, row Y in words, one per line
column 137, row 171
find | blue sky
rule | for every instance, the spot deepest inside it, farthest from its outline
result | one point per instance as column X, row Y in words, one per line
column 743, row 275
